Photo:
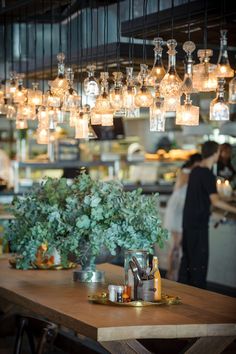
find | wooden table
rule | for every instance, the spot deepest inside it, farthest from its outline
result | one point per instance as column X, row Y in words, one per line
column 208, row 316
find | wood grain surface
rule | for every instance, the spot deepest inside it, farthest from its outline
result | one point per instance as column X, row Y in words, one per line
column 54, row 295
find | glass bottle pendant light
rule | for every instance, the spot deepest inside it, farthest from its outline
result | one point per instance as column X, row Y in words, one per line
column 158, row 71
column 187, row 114
column 103, row 105
column 60, row 84
column 129, row 92
column 19, row 96
column 71, row 99
column 157, row 114
column 187, row 85
column 143, row 98
column 81, row 126
column 91, row 85
column 223, row 68
column 232, row 91
column 171, row 83
column 21, row 123
column 35, row 96
column 204, row 79
column 116, row 94
column 219, row 109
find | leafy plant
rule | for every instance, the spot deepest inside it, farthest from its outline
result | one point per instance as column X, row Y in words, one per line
column 81, row 219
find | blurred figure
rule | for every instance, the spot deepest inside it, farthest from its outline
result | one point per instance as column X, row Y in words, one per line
column 174, row 215
column 224, row 165
column 201, row 194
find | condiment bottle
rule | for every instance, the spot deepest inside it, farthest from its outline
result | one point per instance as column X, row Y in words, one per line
column 112, row 292
column 156, row 279
column 126, row 296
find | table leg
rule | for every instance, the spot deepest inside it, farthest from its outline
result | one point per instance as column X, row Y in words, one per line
column 130, row 346
column 210, row 345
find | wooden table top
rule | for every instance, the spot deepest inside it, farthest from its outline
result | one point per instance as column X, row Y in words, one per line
column 55, row 296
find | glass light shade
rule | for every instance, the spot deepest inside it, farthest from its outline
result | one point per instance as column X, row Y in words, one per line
column 223, row 68
column 232, row 91
column 35, row 96
column 116, row 93
column 10, row 111
column 116, row 98
column 158, row 71
column 3, row 107
column 107, row 119
column 219, row 111
column 96, row 118
column 42, row 136
column 19, row 96
column 102, row 103
column 71, row 100
column 26, row 111
column 187, row 114
column 61, row 116
column 157, row 116
column 91, row 85
column 43, row 117
column 143, row 98
column 204, row 79
column 73, row 116
column 170, row 86
column 21, row 124
column 81, row 128
column 53, row 101
column 129, row 97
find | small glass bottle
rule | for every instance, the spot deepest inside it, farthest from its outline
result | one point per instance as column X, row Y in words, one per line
column 223, row 68
column 156, row 279
column 219, row 109
column 171, row 83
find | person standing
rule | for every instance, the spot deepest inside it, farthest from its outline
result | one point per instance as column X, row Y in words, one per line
column 174, row 215
column 225, row 168
column 201, row 194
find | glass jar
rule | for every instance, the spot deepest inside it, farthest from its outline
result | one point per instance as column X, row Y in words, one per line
column 142, row 258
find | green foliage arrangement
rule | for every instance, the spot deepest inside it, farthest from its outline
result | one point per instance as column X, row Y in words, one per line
column 82, row 218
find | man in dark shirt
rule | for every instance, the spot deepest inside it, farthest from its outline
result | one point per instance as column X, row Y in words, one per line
column 201, row 193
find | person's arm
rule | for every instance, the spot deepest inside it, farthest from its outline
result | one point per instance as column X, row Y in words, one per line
column 218, row 203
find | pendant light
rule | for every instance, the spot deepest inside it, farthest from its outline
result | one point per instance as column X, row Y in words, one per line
column 116, row 93
column 143, row 98
column 219, row 109
column 91, row 86
column 103, row 105
column 129, row 92
column 232, row 91
column 204, row 79
column 223, row 68
column 188, row 114
column 171, row 83
column 158, row 71
column 157, row 114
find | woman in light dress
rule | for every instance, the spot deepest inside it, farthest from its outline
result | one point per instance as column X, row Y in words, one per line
column 174, row 215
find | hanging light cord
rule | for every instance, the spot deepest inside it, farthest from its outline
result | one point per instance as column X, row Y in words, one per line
column 91, row 34
column 118, row 36
column 189, row 21
column 172, row 18
column 81, row 54
column 158, row 18
column 97, row 40
column 205, row 25
column 132, row 39
column 5, row 51
column 145, row 3
column 51, row 40
column 19, row 46
column 35, row 45
column 43, row 35
column 78, row 47
column 12, row 46
column 60, row 43
column 27, row 50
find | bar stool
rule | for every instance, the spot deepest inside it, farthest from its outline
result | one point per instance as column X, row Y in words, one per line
column 37, row 330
